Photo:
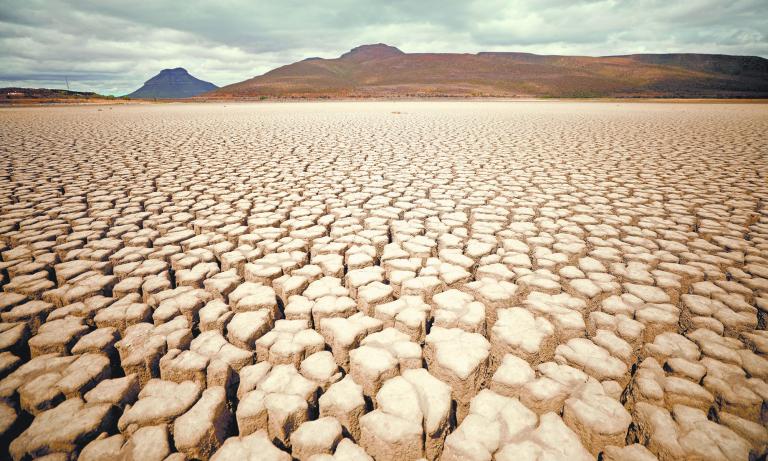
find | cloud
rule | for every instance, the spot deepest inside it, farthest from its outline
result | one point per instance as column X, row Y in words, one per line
column 114, row 46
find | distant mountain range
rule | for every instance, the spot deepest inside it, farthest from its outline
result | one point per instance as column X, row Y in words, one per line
column 384, row 71
column 45, row 93
column 172, row 84
column 26, row 96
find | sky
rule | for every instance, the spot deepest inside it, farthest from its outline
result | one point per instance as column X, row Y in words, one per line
column 113, row 46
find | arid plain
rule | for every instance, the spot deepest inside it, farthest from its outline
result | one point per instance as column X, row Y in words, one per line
column 384, row 280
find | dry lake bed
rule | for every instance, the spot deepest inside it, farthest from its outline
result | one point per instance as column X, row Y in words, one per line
column 389, row 281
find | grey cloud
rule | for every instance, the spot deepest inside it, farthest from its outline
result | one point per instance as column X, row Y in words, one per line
column 114, row 46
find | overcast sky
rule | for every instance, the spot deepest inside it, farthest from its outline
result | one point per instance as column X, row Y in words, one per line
column 112, row 46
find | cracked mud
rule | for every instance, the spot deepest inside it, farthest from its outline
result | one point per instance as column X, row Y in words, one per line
column 388, row 281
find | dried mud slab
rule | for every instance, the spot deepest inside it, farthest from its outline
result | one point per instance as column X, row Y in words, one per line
column 451, row 281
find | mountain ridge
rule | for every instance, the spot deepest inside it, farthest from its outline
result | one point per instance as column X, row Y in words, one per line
column 380, row 70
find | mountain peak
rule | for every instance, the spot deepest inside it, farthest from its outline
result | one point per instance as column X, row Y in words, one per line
column 373, row 51
column 175, row 70
column 172, row 83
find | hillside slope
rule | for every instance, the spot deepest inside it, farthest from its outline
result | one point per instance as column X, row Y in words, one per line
column 383, row 71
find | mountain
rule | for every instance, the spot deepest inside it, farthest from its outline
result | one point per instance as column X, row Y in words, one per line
column 384, row 71
column 172, row 84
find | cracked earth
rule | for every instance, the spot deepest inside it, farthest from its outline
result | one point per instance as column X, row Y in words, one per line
column 388, row 281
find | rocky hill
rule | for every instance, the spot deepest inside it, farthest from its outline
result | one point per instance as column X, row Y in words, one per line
column 384, row 71
column 172, row 84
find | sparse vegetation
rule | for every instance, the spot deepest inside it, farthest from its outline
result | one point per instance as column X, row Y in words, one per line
column 380, row 71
